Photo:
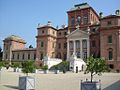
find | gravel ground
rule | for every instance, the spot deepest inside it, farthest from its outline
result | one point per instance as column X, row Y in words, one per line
column 51, row 81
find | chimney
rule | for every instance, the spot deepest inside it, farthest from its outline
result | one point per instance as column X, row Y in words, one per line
column 117, row 12
column 101, row 14
column 49, row 23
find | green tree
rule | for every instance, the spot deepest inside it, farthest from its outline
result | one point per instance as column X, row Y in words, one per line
column 45, row 67
column 95, row 66
column 28, row 67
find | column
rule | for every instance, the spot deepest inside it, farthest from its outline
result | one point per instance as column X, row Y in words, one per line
column 81, row 52
column 68, row 50
column 74, row 47
column 88, row 47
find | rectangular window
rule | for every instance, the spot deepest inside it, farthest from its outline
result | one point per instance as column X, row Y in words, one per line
column 65, row 45
column 110, row 39
column 23, row 56
column 41, row 56
column 28, row 56
column 110, row 55
column 13, row 56
column 85, row 20
column 42, row 44
column 65, row 33
column 18, row 56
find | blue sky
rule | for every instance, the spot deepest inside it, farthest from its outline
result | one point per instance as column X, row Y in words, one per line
column 21, row 17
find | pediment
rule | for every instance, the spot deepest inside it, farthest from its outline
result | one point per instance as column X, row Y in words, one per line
column 78, row 34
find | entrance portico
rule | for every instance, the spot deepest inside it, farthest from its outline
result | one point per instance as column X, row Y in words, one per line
column 78, row 43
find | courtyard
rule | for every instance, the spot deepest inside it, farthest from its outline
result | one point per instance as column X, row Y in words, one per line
column 51, row 81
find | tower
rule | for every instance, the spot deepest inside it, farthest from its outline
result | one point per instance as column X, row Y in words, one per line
column 82, row 15
column 11, row 43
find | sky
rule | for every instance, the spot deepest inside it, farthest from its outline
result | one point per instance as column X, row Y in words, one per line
column 21, row 17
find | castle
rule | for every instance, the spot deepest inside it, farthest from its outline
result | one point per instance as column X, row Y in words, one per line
column 87, row 34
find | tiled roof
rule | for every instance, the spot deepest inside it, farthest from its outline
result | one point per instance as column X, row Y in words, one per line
column 15, row 38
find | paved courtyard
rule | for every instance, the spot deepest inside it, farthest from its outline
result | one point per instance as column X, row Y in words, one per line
column 68, row 81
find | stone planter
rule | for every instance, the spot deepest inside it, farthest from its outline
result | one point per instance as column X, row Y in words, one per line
column 87, row 85
column 26, row 83
column 45, row 71
column 56, row 71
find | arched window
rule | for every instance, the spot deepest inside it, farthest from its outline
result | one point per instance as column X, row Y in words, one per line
column 110, row 53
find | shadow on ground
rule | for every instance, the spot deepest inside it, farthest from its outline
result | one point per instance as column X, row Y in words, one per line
column 114, row 86
column 10, row 86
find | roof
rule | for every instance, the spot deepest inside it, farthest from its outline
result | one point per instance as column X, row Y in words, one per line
column 15, row 38
column 111, row 16
column 80, row 6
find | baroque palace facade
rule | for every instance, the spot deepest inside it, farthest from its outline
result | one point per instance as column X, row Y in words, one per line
column 87, row 34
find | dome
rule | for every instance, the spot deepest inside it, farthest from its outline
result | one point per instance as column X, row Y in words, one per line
column 15, row 38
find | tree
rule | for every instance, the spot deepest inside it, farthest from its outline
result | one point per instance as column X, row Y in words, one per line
column 28, row 67
column 95, row 66
column 30, row 46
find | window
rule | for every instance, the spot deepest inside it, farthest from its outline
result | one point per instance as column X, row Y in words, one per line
column 78, row 54
column 110, row 54
column 59, row 33
column 65, row 33
column 78, row 19
column 34, row 56
column 42, row 31
column 23, row 56
column 84, row 43
column 65, row 45
column 59, row 45
column 42, row 43
column 72, row 21
column 53, row 32
column 109, row 22
column 13, row 56
column 93, row 43
column 28, row 56
column 65, row 56
column 93, row 30
column 41, row 56
column 110, row 39
column 18, row 56
column 85, row 20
